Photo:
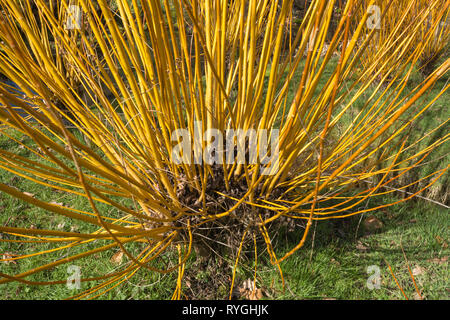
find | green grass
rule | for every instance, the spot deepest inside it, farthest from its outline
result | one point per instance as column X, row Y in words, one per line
column 335, row 264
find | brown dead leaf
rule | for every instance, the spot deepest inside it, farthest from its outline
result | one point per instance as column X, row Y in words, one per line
column 252, row 295
column 8, row 255
column 438, row 260
column 117, row 257
column 361, row 247
column 418, row 270
column 29, row 194
column 372, row 224
column 417, row 296
column 40, row 150
column 57, row 203
column 442, row 242
column 248, row 284
column 256, row 295
column 334, row 261
column 249, row 292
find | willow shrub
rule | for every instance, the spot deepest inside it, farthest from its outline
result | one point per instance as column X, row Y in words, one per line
column 140, row 81
column 398, row 26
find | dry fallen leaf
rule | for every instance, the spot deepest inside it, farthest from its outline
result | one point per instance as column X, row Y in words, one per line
column 372, row 224
column 256, row 295
column 442, row 242
column 361, row 247
column 249, row 292
column 248, row 284
column 418, row 270
column 438, row 260
column 8, row 255
column 57, row 203
column 29, row 194
column 416, row 296
column 117, row 258
column 334, row 261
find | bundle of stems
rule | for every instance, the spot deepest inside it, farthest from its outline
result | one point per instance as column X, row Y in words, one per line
column 398, row 26
column 437, row 46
